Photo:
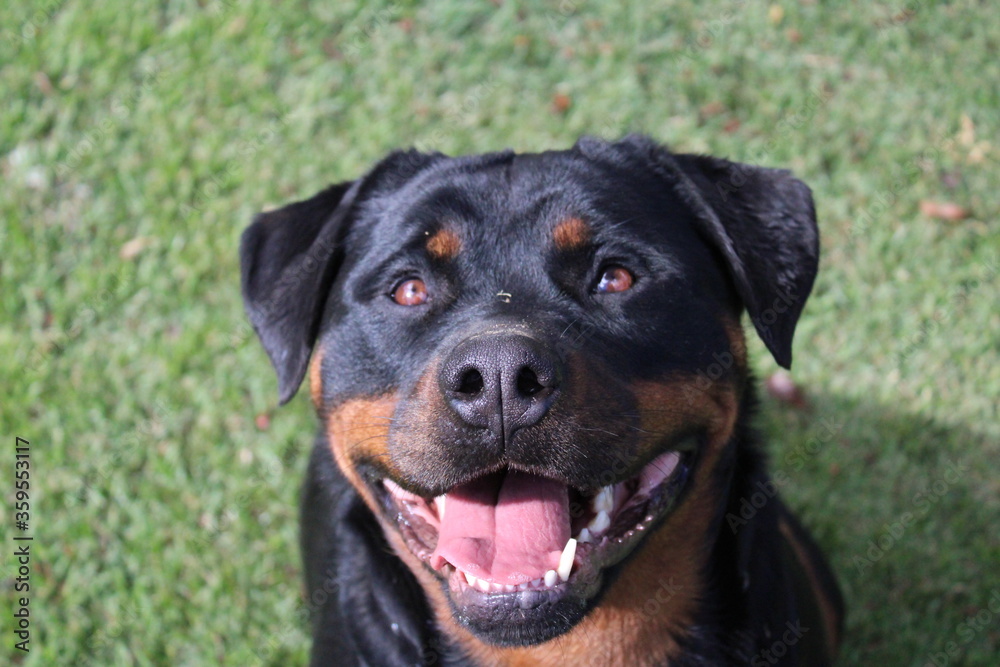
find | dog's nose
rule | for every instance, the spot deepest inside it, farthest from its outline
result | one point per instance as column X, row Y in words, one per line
column 501, row 382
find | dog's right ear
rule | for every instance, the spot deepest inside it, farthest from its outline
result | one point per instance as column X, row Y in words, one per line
column 289, row 258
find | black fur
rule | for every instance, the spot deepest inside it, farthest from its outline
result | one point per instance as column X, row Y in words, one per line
column 706, row 238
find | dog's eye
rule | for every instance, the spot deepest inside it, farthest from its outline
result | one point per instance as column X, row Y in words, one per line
column 614, row 278
column 411, row 292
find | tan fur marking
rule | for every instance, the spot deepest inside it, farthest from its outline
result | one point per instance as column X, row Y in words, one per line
column 826, row 607
column 316, row 378
column 685, row 402
column 652, row 603
column 358, row 430
column 737, row 343
column 444, row 244
column 571, row 233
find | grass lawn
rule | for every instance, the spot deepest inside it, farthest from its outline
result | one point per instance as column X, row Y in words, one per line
column 139, row 138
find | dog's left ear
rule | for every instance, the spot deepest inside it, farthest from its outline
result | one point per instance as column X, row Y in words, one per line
column 764, row 224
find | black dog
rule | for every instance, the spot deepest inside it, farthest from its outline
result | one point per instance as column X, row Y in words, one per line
column 535, row 406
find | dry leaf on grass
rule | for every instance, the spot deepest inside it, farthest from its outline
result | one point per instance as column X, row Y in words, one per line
column 131, row 249
column 943, row 210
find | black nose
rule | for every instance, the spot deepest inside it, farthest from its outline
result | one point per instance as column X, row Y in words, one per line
column 501, row 382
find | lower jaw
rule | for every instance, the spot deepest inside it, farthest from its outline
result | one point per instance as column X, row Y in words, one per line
column 528, row 617
column 524, row 618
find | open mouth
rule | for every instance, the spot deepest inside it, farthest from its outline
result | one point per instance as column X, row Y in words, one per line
column 520, row 541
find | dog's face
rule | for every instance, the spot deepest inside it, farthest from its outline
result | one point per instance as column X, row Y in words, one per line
column 527, row 364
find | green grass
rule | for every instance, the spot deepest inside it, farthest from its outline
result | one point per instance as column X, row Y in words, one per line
column 138, row 139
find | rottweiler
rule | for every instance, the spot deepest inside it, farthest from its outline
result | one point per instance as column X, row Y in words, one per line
column 535, row 442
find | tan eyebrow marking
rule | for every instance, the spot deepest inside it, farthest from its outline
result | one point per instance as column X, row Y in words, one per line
column 571, row 233
column 444, row 244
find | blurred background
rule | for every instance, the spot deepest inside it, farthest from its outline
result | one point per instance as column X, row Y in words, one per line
column 138, row 139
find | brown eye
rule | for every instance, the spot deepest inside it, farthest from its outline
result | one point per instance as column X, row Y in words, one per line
column 614, row 279
column 412, row 292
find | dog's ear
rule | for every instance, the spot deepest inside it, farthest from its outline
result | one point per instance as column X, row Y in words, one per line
column 289, row 259
column 764, row 224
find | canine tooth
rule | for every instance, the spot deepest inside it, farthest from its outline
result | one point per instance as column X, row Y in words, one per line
column 536, row 583
column 600, row 523
column 604, row 501
column 566, row 559
column 439, row 503
column 551, row 577
column 584, row 536
column 469, row 579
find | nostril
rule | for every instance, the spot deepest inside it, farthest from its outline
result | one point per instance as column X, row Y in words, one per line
column 527, row 382
column 472, row 382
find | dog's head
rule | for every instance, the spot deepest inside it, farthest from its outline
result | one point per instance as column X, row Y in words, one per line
column 528, row 364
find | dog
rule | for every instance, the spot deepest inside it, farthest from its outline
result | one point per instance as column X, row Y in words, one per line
column 535, row 442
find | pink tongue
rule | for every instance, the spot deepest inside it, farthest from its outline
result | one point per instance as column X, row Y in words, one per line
column 508, row 528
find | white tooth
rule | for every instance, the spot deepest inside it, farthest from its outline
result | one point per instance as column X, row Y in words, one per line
column 524, row 586
column 439, row 503
column 584, row 536
column 600, row 523
column 483, row 585
column 509, row 588
column 469, row 579
column 551, row 578
column 536, row 583
column 604, row 501
column 566, row 559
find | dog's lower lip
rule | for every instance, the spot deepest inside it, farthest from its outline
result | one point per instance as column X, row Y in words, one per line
column 605, row 533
